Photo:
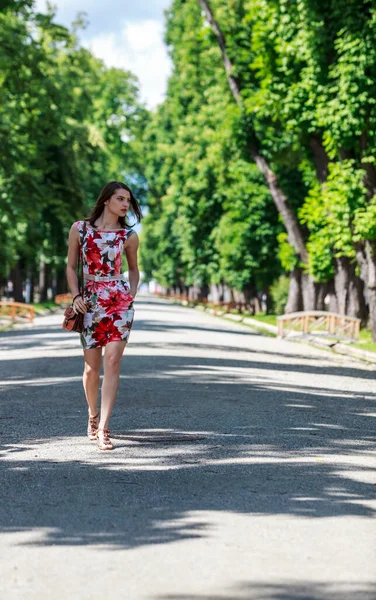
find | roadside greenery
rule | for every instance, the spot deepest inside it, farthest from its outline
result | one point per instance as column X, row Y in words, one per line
column 64, row 119
column 257, row 170
column 261, row 160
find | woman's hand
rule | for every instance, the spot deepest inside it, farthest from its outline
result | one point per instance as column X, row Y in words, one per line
column 79, row 305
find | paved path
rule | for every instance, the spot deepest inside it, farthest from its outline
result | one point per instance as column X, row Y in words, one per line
column 244, row 469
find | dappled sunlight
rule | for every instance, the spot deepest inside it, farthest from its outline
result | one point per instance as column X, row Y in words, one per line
column 246, row 426
column 285, row 590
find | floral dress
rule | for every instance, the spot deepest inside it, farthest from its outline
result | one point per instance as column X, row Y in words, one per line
column 110, row 305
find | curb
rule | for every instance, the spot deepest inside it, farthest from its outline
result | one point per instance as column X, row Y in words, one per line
column 319, row 342
column 356, row 352
column 47, row 311
column 8, row 325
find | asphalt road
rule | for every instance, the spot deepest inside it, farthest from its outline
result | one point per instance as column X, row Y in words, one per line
column 244, row 468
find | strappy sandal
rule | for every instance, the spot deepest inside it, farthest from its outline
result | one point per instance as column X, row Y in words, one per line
column 92, row 427
column 104, row 442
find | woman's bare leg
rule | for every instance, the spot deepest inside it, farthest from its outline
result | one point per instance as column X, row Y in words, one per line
column 91, row 378
column 112, row 359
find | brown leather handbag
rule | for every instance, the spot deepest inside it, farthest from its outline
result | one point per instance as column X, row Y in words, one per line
column 75, row 321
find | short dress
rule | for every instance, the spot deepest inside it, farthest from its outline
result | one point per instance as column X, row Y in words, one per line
column 110, row 305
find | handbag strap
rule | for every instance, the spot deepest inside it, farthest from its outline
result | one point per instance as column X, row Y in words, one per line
column 82, row 257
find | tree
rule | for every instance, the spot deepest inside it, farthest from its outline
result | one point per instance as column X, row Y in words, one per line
column 196, row 160
column 68, row 124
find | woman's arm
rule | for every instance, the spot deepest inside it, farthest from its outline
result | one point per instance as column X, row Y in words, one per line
column 131, row 254
column 73, row 252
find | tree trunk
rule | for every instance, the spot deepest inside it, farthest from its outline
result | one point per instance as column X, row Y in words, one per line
column 349, row 290
column 43, row 281
column 321, row 293
column 308, row 292
column 215, row 293
column 61, row 281
column 333, row 304
column 248, row 298
column 256, row 304
column 290, row 221
column 370, row 252
column 249, row 292
column 366, row 253
column 372, row 311
column 28, row 287
column 32, row 286
column 203, row 292
column 314, row 293
column 266, row 301
column 192, row 293
column 341, row 281
column 294, row 301
column 16, row 278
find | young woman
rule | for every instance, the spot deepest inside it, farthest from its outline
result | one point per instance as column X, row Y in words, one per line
column 107, row 301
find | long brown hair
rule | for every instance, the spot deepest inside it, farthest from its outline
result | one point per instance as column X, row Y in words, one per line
column 106, row 193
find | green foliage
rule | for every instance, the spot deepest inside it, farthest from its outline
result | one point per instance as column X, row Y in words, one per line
column 213, row 214
column 64, row 117
column 365, row 222
column 307, row 73
column 286, row 253
column 244, row 238
column 329, row 212
column 279, row 291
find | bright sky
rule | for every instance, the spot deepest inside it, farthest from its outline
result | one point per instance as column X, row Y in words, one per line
column 126, row 34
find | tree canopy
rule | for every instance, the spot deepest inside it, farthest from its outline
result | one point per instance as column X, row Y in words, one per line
column 68, row 124
column 268, row 97
column 259, row 162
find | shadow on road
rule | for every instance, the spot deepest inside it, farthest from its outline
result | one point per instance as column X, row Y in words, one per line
column 304, row 591
column 258, row 446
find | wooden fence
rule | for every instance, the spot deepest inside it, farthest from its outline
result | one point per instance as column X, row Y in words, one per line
column 319, row 322
column 63, row 299
column 14, row 310
column 241, row 307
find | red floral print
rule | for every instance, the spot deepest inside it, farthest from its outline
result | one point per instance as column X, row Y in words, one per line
column 106, row 332
column 111, row 312
column 118, row 262
column 114, row 303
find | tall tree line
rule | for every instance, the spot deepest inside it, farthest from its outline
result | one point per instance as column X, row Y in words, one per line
column 261, row 160
column 68, row 125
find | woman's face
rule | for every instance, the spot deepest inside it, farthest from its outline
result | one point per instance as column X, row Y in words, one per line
column 119, row 202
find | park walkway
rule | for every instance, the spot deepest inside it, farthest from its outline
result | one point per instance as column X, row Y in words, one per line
column 245, row 468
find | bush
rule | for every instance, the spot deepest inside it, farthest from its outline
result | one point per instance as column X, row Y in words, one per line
column 279, row 291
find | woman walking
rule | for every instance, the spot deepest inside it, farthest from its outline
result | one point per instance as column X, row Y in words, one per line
column 107, row 301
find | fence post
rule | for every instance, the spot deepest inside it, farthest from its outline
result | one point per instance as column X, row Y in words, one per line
column 306, row 324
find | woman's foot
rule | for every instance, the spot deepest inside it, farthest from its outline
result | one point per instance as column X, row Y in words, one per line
column 92, row 427
column 104, row 442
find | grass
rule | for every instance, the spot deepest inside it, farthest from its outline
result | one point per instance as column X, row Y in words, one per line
column 365, row 341
column 41, row 306
column 263, row 318
column 365, row 336
column 370, row 347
